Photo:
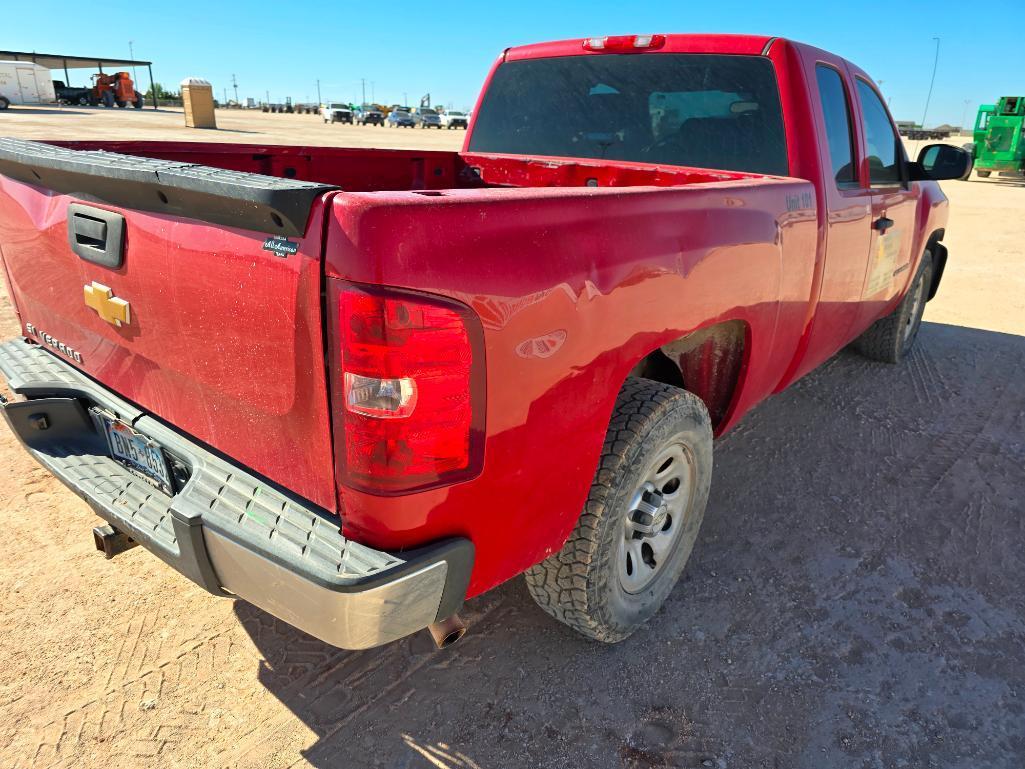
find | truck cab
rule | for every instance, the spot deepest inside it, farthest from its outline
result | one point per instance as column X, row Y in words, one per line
column 454, row 119
column 337, row 112
column 368, row 114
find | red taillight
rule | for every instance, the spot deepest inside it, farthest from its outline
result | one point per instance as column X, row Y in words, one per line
column 622, row 43
column 407, row 385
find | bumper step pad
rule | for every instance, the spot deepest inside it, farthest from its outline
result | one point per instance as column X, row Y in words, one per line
column 226, row 527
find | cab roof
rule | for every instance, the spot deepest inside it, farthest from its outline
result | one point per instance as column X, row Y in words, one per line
column 685, row 43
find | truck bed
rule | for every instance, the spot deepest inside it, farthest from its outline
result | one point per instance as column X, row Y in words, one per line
column 368, row 170
column 575, row 268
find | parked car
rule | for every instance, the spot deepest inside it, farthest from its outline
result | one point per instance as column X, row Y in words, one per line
column 369, row 115
column 454, row 119
column 400, row 118
column 377, row 402
column 71, row 95
column 337, row 113
column 425, row 117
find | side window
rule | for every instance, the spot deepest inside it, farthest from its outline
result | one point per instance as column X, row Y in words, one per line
column 884, row 157
column 837, row 113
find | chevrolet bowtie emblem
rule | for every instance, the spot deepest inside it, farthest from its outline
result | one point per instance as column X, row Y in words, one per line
column 114, row 311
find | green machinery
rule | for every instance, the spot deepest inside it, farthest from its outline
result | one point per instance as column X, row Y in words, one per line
column 999, row 144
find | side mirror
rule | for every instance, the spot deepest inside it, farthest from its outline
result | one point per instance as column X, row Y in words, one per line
column 941, row 161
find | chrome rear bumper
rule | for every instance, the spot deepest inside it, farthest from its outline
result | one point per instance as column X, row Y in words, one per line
column 225, row 528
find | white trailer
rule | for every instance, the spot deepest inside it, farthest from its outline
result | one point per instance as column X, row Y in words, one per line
column 23, row 82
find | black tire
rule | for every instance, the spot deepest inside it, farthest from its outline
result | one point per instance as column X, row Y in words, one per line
column 982, row 174
column 4, row 103
column 890, row 339
column 139, row 101
column 583, row 585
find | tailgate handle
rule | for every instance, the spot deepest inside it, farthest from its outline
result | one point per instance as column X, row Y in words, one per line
column 96, row 235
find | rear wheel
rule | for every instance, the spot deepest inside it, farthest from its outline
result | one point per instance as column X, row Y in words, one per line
column 139, row 101
column 4, row 103
column 891, row 338
column 641, row 517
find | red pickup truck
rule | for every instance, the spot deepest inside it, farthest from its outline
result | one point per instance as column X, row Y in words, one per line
column 355, row 387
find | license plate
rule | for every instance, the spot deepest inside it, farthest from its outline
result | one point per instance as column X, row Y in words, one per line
column 138, row 452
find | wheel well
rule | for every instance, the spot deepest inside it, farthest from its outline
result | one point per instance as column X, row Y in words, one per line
column 939, row 261
column 707, row 363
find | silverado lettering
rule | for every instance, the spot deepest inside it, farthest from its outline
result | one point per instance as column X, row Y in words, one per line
column 54, row 343
column 472, row 365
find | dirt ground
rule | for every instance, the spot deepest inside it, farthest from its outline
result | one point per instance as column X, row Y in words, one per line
column 854, row 599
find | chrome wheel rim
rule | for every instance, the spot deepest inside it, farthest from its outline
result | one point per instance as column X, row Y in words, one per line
column 916, row 307
column 656, row 516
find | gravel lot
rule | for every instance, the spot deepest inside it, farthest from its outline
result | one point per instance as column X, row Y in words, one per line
column 855, row 598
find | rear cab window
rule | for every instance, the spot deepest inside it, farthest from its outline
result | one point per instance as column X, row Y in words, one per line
column 701, row 110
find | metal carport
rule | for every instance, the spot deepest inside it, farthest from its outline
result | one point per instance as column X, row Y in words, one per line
column 60, row 61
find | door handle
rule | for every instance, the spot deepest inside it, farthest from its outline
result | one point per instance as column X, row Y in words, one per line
column 96, row 235
column 882, row 224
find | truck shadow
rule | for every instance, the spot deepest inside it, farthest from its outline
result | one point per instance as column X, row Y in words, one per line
column 855, row 592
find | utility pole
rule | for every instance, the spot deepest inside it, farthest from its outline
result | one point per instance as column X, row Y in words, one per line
column 935, row 63
column 363, row 82
column 318, row 92
column 234, row 84
column 131, row 55
column 928, row 96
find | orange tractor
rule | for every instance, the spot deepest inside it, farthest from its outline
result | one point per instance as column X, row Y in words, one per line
column 117, row 88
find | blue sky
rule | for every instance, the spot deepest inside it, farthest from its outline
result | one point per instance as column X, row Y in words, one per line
column 446, row 48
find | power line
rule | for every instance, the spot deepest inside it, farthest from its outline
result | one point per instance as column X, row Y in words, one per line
column 935, row 64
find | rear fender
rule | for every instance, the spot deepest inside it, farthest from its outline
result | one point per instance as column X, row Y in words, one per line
column 708, row 362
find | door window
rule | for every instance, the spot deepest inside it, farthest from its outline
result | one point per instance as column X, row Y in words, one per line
column 884, row 154
column 836, row 112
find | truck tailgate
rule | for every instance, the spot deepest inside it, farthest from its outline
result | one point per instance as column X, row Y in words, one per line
column 218, row 329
